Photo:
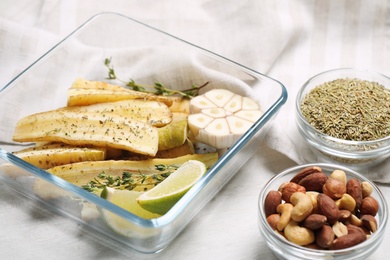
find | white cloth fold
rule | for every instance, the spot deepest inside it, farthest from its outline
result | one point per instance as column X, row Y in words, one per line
column 289, row 40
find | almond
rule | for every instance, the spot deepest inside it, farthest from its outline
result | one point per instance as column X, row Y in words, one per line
column 314, row 182
column 348, row 241
column 354, row 189
column 272, row 200
column 328, row 207
column 305, row 172
column 314, row 221
column 354, row 229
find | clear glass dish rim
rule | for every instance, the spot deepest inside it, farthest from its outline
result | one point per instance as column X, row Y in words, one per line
column 187, row 198
column 303, row 121
column 284, row 241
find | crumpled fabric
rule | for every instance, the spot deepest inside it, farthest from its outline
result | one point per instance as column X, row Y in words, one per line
column 290, row 41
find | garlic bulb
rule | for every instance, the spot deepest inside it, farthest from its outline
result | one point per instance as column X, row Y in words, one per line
column 220, row 117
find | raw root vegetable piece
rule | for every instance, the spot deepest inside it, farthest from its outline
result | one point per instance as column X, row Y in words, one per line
column 87, row 128
column 48, row 156
column 152, row 112
column 88, row 92
column 220, row 117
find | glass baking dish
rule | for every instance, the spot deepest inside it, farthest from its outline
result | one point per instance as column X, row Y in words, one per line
column 146, row 55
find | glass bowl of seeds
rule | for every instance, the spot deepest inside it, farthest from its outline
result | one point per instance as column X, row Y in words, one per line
column 344, row 116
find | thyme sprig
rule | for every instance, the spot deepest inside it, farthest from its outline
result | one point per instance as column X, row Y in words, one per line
column 157, row 89
column 128, row 180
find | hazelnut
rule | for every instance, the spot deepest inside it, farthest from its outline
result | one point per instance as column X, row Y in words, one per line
column 369, row 222
column 289, row 188
column 369, row 206
column 334, row 188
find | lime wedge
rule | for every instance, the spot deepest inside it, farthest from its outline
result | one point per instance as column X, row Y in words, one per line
column 162, row 197
column 127, row 200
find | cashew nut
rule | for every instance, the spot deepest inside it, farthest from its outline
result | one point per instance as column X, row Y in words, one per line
column 303, row 206
column 298, row 235
column 313, row 196
column 346, row 202
column 285, row 215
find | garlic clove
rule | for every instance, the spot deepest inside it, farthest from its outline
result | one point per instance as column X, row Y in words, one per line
column 219, row 96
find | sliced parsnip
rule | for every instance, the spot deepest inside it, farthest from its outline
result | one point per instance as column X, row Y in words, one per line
column 79, row 172
column 91, row 84
column 184, row 149
column 152, row 112
column 180, row 104
column 88, row 128
column 84, row 92
column 143, row 174
column 48, row 156
column 179, row 116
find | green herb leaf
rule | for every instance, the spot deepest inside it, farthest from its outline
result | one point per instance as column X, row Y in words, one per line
column 157, row 89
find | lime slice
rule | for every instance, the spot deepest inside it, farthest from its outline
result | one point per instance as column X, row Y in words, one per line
column 162, row 197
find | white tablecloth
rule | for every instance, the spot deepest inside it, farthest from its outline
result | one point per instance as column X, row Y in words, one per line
column 289, row 40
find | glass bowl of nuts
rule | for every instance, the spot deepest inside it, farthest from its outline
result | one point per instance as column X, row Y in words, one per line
column 322, row 211
column 344, row 116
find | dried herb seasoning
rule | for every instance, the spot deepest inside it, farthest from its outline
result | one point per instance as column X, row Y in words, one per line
column 349, row 109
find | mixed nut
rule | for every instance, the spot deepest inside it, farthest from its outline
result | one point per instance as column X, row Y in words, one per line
column 322, row 212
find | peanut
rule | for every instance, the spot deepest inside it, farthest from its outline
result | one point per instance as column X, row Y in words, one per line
column 325, row 237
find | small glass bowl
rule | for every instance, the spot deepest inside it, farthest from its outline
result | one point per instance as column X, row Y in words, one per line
column 284, row 249
column 355, row 154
